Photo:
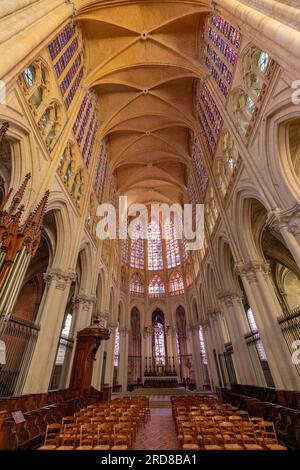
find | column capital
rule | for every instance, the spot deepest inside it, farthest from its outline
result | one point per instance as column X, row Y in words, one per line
column 228, row 297
column 289, row 218
column 62, row 279
column 251, row 268
column 85, row 301
column 214, row 313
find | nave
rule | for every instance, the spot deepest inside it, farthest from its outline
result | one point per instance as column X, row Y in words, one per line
column 149, row 223
column 162, row 422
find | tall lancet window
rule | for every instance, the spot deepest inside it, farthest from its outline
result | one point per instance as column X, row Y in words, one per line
column 202, row 346
column 117, row 347
column 137, row 259
column 155, row 256
column 172, row 245
column 159, row 341
column 159, row 345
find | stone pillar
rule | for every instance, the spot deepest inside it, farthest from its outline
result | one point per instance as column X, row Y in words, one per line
column 83, row 307
column 288, row 224
column 236, row 321
column 194, row 333
column 214, row 380
column 98, row 366
column 266, row 309
column 110, row 350
column 54, row 306
column 173, row 333
column 219, row 343
column 123, row 361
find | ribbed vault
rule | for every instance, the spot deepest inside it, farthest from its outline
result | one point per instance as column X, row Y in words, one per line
column 142, row 58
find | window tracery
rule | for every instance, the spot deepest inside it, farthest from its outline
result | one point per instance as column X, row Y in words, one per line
column 35, row 83
column 136, row 285
column 246, row 99
column 176, row 285
column 156, row 286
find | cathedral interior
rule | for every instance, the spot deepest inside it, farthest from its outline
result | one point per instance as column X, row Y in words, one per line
column 140, row 342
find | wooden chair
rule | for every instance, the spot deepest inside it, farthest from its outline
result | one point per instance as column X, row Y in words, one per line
column 51, row 437
column 105, row 434
column 122, row 436
column 88, row 437
column 268, row 436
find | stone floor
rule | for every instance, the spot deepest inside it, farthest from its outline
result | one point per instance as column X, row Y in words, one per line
column 159, row 433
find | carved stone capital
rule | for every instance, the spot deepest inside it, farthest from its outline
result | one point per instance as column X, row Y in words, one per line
column 85, row 301
column 289, row 218
column 62, row 279
column 214, row 314
column 229, row 297
column 251, row 268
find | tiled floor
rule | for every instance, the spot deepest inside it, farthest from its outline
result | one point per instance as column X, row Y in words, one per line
column 159, row 433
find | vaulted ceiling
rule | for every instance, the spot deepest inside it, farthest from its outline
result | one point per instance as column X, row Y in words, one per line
column 142, row 58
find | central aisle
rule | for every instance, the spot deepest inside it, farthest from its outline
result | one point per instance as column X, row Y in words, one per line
column 159, row 433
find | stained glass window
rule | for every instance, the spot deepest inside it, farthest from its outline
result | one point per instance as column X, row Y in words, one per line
column 156, row 287
column 176, row 285
column 74, row 88
column 199, row 167
column 62, row 349
column 136, row 285
column 202, row 346
column 155, row 256
column 29, row 75
column 61, row 40
column 178, row 349
column 85, row 127
column 172, row 244
column 137, row 247
column 117, row 347
column 159, row 344
column 124, row 251
column 208, row 115
column 65, row 58
column 222, row 51
column 101, row 173
column 258, row 343
column 67, row 54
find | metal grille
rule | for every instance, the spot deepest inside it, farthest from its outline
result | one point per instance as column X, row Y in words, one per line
column 20, row 338
column 290, row 327
column 62, row 362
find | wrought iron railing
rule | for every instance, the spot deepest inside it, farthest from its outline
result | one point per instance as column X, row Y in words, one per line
column 20, row 337
column 290, row 327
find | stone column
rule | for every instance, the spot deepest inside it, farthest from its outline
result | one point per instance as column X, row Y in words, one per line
column 194, row 333
column 83, row 307
column 236, row 321
column 218, row 342
column 214, row 380
column 51, row 319
column 173, row 334
column 110, row 350
column 98, row 367
column 266, row 309
column 288, row 224
column 123, row 361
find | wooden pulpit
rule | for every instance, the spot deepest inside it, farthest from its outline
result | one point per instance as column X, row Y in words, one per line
column 87, row 345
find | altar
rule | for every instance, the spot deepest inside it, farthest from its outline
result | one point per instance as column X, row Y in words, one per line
column 160, row 375
column 161, row 381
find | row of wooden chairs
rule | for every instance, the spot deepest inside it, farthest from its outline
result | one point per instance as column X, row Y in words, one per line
column 219, row 426
column 103, row 426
